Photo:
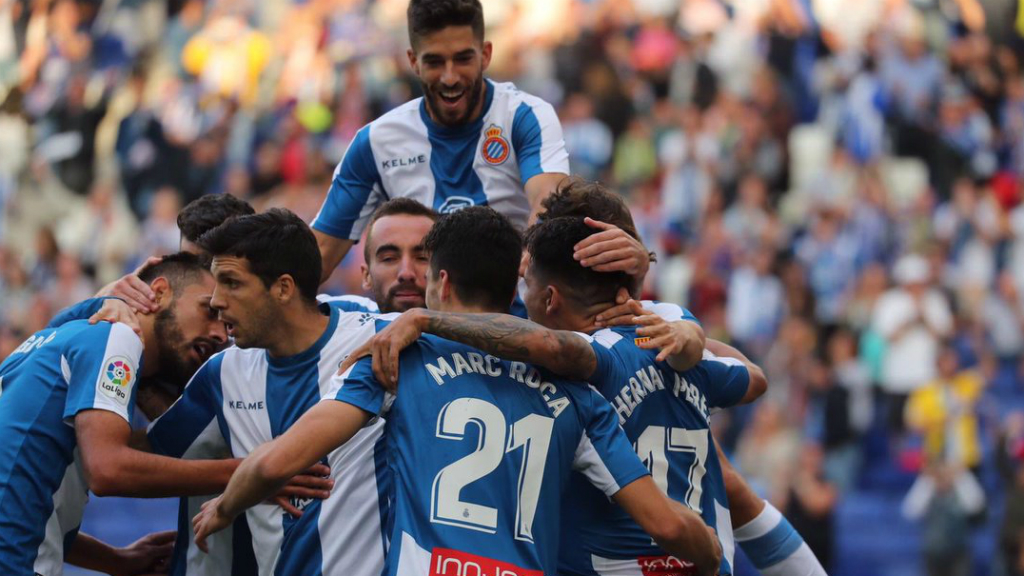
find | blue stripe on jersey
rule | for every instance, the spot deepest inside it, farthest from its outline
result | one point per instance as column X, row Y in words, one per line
column 179, row 559
column 351, row 187
column 774, row 547
column 452, row 152
column 243, row 558
column 383, row 475
column 81, row 311
column 527, row 142
column 200, row 401
column 302, row 535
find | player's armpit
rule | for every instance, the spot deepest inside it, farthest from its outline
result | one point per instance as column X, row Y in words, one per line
column 677, row 529
column 332, row 251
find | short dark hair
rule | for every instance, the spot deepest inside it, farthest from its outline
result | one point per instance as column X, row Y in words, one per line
column 429, row 16
column 181, row 269
column 207, row 212
column 586, row 199
column 550, row 244
column 275, row 243
column 396, row 207
column 480, row 249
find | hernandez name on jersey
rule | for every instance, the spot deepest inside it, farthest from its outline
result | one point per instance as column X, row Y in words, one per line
column 243, row 398
column 481, row 450
column 44, row 384
column 664, row 413
column 406, row 154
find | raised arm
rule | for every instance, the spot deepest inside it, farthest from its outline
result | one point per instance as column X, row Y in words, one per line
column 758, row 381
column 332, row 251
column 564, row 353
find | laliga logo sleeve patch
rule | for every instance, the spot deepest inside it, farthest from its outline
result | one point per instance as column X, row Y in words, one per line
column 495, row 148
column 117, row 378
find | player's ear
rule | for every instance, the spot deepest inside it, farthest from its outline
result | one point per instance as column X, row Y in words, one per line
column 283, row 288
column 446, row 286
column 485, row 55
column 553, row 300
column 365, row 271
column 162, row 289
column 413, row 62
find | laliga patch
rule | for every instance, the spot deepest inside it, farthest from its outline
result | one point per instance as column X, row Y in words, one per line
column 117, row 378
column 665, row 566
column 495, row 149
column 447, row 562
column 641, row 340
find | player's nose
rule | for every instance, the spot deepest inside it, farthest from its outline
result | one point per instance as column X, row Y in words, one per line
column 449, row 77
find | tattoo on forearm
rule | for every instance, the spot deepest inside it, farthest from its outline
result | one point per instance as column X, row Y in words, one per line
column 513, row 338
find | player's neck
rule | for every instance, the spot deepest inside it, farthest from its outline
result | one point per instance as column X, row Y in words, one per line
column 297, row 330
column 582, row 320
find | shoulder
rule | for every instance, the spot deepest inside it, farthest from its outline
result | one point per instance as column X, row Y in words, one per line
column 513, row 97
column 349, row 303
column 396, row 117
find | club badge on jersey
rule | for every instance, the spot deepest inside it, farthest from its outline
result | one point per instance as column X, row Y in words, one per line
column 495, row 148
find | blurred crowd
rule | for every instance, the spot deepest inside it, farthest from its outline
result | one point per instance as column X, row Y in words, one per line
column 833, row 186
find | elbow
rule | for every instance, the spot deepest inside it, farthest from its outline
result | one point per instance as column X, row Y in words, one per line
column 669, row 532
column 758, row 384
column 103, row 481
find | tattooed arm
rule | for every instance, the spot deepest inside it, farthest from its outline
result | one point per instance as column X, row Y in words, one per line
column 562, row 352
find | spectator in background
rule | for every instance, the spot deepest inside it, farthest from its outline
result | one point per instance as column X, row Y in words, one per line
column 1009, row 455
column 810, row 502
column 755, row 303
column 767, row 451
column 102, row 236
column 945, row 498
column 944, row 411
column 587, row 139
column 830, row 258
column 1003, row 316
column 913, row 318
column 160, row 234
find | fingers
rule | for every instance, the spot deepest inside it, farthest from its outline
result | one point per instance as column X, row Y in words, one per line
column 361, row 352
column 620, row 315
column 639, row 309
column 598, row 224
column 139, row 295
column 165, row 537
column 286, row 505
column 379, row 371
column 622, row 296
column 318, row 470
column 392, row 357
column 592, row 244
column 299, row 491
column 305, row 481
column 200, row 531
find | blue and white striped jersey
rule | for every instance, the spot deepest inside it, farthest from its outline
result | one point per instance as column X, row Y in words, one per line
column 406, row 154
column 664, row 413
column 44, row 384
column 247, row 398
column 481, row 450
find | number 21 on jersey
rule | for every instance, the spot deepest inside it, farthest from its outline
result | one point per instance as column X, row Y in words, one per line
column 532, row 433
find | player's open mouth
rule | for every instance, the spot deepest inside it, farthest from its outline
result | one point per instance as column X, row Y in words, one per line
column 451, row 97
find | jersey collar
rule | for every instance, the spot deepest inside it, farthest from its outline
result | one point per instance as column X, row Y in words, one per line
column 436, row 129
column 314, row 350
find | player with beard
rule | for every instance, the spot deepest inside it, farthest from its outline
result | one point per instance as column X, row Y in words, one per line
column 287, row 346
column 468, row 141
column 66, row 397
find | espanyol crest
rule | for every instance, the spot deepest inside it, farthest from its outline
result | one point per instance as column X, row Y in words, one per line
column 495, row 149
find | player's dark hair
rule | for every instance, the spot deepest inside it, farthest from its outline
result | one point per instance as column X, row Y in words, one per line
column 181, row 269
column 550, row 243
column 207, row 212
column 586, row 199
column 275, row 243
column 396, row 207
column 480, row 249
column 428, row 16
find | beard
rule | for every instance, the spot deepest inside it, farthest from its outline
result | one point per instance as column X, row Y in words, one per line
column 387, row 302
column 175, row 366
column 432, row 98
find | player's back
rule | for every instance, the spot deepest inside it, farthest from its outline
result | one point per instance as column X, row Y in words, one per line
column 481, row 450
column 43, row 384
column 664, row 413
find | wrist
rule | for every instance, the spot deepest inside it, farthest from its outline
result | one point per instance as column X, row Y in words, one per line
column 421, row 319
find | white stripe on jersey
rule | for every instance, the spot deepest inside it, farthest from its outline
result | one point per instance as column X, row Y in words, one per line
column 723, row 525
column 220, row 557
column 589, row 463
column 68, row 506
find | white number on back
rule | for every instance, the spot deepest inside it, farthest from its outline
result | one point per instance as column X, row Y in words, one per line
column 532, row 433
column 653, row 447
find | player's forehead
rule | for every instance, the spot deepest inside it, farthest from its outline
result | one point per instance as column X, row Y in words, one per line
column 225, row 266
column 399, row 230
column 447, row 42
column 202, row 289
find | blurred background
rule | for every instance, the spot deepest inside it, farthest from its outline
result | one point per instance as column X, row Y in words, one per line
column 834, row 186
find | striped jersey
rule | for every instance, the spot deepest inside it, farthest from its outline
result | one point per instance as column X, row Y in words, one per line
column 481, row 450
column 664, row 413
column 49, row 379
column 246, row 397
column 486, row 162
